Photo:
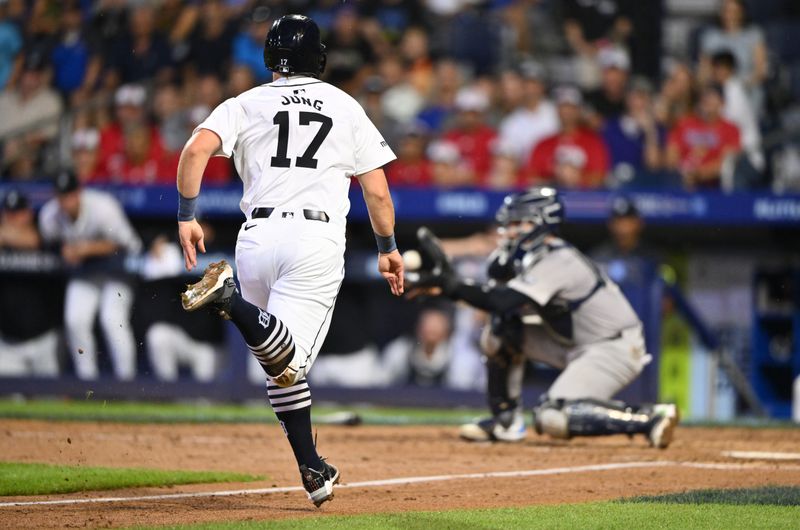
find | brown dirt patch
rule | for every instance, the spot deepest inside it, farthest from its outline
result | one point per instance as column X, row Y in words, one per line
column 368, row 453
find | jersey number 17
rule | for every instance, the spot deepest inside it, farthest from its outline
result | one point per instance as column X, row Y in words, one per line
column 307, row 159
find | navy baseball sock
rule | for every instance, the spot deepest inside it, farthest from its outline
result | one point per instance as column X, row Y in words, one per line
column 268, row 339
column 292, row 406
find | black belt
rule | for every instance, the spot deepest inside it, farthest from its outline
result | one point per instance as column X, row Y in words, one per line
column 311, row 215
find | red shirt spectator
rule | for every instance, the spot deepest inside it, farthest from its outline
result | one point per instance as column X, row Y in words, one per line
column 578, row 159
column 141, row 161
column 218, row 170
column 473, row 138
column 408, row 173
column 699, row 144
column 475, row 146
column 575, row 157
column 411, row 168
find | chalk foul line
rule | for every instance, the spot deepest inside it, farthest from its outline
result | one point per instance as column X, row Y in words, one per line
column 412, row 480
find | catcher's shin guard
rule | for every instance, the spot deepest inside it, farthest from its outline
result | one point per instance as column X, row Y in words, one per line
column 589, row 417
column 592, row 417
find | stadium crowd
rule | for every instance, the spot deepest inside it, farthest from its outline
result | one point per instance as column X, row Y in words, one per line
column 494, row 93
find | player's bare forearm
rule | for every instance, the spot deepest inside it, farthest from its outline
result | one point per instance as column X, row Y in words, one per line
column 379, row 201
column 194, row 158
column 381, row 216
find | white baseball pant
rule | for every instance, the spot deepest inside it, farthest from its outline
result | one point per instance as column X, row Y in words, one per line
column 293, row 268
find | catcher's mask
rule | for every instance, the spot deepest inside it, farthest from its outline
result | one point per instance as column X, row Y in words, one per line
column 293, row 47
column 526, row 218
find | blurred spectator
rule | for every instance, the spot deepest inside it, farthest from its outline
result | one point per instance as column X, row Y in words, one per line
column 28, row 340
column 240, row 80
column 248, row 45
column 701, row 144
column 174, row 338
column 510, row 89
column 348, row 50
column 141, row 160
column 394, row 16
column 745, row 41
column 634, row 26
column 30, row 113
column 169, row 111
column 423, row 359
column 441, row 106
column 471, row 36
column 208, row 91
column 576, row 156
column 85, row 155
column 738, row 107
column 415, row 51
column 504, row 172
column 372, row 101
column 471, row 134
column 447, row 167
column 401, row 101
column 635, row 141
column 10, row 45
column 533, row 120
column 131, row 114
column 677, row 97
column 411, row 167
column 75, row 64
column 625, row 226
column 608, row 102
column 218, row 169
column 211, row 42
column 17, row 228
column 94, row 237
column 140, row 53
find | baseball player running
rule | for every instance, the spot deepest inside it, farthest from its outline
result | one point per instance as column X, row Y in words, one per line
column 551, row 304
column 295, row 142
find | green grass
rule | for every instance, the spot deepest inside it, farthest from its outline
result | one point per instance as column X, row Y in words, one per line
column 139, row 412
column 154, row 412
column 44, row 479
column 640, row 516
column 774, row 495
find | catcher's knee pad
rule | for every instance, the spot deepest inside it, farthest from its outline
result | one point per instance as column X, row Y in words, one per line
column 550, row 418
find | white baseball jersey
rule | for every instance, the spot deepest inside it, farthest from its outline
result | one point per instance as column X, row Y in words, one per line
column 295, row 143
column 101, row 218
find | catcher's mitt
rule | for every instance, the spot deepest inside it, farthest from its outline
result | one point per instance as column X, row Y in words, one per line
column 436, row 269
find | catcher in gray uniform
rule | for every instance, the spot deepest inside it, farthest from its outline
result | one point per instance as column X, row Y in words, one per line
column 551, row 304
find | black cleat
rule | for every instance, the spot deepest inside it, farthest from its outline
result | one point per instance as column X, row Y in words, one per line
column 319, row 484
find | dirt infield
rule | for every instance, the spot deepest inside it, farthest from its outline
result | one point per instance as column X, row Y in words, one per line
column 371, row 453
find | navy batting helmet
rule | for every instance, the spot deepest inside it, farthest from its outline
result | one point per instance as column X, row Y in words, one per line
column 293, row 46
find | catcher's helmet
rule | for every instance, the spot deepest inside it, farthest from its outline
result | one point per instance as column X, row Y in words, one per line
column 540, row 206
column 293, row 47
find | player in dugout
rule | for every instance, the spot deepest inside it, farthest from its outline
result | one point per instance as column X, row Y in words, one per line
column 549, row 303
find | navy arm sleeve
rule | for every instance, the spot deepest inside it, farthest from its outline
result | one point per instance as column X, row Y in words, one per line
column 494, row 299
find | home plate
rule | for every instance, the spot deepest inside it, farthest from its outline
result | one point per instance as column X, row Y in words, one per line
column 762, row 455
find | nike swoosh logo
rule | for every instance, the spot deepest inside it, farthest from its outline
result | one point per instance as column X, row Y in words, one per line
column 248, row 227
